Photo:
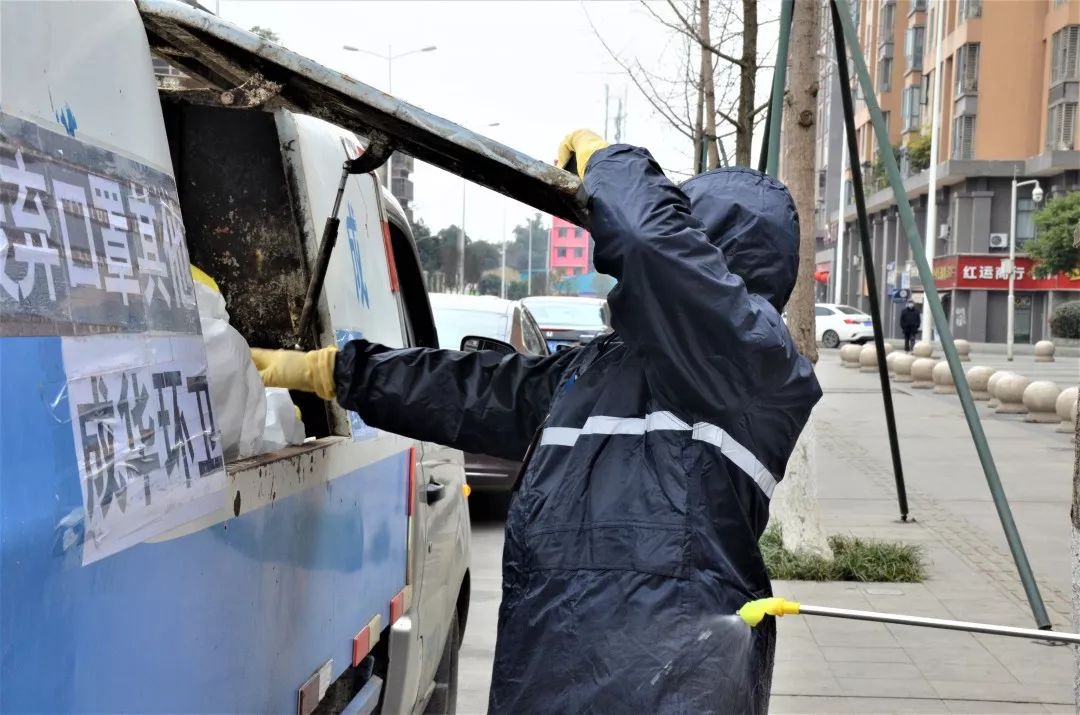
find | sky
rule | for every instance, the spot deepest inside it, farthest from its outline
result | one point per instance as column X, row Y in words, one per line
column 535, row 69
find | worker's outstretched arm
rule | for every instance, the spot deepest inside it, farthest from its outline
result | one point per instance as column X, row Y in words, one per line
column 711, row 345
column 482, row 401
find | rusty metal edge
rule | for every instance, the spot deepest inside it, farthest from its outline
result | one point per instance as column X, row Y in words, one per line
column 334, row 96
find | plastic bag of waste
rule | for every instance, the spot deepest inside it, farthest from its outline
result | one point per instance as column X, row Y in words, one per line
column 283, row 425
column 236, row 391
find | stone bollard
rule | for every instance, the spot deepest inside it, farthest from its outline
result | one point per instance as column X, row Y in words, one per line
column 902, row 366
column 923, row 350
column 1010, row 394
column 849, row 354
column 963, row 349
column 890, row 360
column 1039, row 399
column 942, row 376
column 1065, row 407
column 888, row 347
column 977, row 378
column 1044, row 351
column 922, row 373
column 991, row 387
column 868, row 359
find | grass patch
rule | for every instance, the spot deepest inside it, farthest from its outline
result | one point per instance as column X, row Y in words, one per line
column 854, row 559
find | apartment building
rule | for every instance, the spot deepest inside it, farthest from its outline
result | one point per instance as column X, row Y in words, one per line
column 1010, row 90
column 570, row 254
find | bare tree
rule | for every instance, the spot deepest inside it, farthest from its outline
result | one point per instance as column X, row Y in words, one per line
column 718, row 75
column 795, row 506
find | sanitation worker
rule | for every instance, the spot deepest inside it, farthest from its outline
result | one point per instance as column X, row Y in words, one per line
column 651, row 453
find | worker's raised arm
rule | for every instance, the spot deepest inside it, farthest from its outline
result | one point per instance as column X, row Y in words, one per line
column 481, row 401
column 711, row 343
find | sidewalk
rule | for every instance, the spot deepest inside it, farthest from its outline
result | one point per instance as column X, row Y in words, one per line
column 829, row 666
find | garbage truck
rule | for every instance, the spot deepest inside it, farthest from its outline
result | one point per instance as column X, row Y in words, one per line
column 140, row 569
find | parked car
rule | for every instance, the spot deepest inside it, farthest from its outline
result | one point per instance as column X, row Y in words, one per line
column 835, row 324
column 461, row 316
column 569, row 321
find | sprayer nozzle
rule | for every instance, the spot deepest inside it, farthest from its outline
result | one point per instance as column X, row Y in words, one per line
column 754, row 611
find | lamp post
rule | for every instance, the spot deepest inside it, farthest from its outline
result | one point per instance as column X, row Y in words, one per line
column 461, row 237
column 1037, row 197
column 389, row 58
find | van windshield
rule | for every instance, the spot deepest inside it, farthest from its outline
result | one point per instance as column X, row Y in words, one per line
column 453, row 324
column 567, row 314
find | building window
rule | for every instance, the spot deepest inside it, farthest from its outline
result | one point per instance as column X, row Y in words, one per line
column 562, row 232
column 911, row 108
column 967, row 69
column 560, row 252
column 970, row 9
column 963, row 145
column 884, row 78
column 578, row 231
column 1065, row 54
column 917, row 6
column 1025, row 221
column 579, row 252
column 913, row 47
column 888, row 22
column 1061, row 127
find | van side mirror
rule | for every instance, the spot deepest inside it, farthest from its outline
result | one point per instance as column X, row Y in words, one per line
column 473, row 343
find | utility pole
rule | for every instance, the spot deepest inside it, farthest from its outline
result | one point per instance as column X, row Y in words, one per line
column 935, row 132
column 529, row 228
column 606, row 106
column 502, row 273
column 461, row 243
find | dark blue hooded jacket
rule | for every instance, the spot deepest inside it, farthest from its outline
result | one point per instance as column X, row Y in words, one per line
column 633, row 535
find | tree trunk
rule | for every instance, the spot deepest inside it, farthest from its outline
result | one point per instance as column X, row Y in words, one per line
column 744, row 131
column 797, row 140
column 795, row 506
column 699, row 120
column 708, row 85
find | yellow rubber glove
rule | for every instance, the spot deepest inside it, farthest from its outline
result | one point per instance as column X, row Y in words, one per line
column 295, row 370
column 580, row 145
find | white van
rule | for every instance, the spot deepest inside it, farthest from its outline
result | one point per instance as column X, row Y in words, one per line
column 138, row 571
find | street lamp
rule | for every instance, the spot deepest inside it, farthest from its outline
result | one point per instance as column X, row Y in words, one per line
column 461, row 237
column 1037, row 197
column 389, row 57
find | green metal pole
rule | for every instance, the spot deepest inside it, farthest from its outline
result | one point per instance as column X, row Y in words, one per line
column 776, row 99
column 907, row 218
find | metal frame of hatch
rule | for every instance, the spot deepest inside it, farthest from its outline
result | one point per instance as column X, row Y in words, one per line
column 248, row 71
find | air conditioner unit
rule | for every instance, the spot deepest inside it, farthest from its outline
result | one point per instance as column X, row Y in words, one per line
column 943, row 231
column 999, row 240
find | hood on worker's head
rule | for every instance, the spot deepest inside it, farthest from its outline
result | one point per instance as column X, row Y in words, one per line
column 751, row 217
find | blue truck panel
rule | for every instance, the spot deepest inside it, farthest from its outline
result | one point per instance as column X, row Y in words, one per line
column 234, row 617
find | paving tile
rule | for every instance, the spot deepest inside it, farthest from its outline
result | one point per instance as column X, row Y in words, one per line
column 792, row 683
column 989, row 707
column 847, row 670
column 888, row 687
column 1006, row 692
column 806, row 705
column 834, row 654
column 886, row 706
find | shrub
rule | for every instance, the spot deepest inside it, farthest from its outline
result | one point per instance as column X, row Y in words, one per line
column 1065, row 321
column 918, row 153
column 854, row 559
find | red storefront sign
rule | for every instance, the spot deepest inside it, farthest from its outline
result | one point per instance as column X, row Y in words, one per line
column 988, row 273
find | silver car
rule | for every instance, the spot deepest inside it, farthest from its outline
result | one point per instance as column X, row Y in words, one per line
column 461, row 316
